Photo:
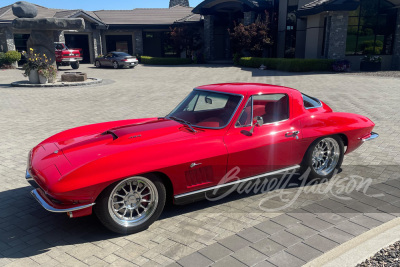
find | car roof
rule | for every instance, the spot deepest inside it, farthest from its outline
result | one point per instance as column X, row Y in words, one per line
column 246, row 88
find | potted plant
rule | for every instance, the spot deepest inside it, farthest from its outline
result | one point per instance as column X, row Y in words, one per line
column 371, row 63
column 43, row 75
column 31, row 67
column 52, row 73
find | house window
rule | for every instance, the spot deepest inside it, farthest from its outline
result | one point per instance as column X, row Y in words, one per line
column 371, row 28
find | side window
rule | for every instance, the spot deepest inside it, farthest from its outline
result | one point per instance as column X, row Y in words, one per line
column 311, row 102
column 246, row 115
column 191, row 104
column 210, row 101
column 271, row 107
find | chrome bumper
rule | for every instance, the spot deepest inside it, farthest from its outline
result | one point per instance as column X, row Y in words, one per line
column 370, row 137
column 46, row 206
column 74, row 59
column 30, row 180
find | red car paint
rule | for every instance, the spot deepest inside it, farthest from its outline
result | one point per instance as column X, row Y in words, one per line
column 75, row 166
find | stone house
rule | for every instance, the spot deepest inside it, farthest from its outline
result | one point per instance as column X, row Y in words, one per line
column 334, row 29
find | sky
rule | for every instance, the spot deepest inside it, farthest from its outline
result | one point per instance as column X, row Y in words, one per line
column 91, row 5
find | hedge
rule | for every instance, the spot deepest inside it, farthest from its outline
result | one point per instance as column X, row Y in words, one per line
column 164, row 61
column 288, row 64
column 9, row 57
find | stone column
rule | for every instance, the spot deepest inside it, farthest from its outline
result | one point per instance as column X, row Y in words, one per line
column 396, row 44
column 9, row 44
column 139, row 42
column 209, row 37
column 97, row 49
column 336, row 35
column 249, row 17
column 59, row 36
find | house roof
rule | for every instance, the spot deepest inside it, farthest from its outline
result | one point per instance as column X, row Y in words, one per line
column 207, row 6
column 148, row 16
column 139, row 16
column 318, row 6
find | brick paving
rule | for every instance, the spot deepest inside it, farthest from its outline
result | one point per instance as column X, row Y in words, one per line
column 233, row 231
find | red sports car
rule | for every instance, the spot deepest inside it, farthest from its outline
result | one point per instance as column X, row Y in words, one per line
column 125, row 171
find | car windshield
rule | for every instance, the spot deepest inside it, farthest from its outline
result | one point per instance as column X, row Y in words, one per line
column 207, row 109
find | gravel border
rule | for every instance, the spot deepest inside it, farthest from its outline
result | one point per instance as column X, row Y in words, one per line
column 89, row 81
column 388, row 257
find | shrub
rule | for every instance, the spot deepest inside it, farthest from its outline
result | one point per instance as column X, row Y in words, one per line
column 165, row 61
column 253, row 38
column 2, row 58
column 11, row 56
column 288, row 64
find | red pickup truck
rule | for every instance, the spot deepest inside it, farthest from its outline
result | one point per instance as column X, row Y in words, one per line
column 66, row 56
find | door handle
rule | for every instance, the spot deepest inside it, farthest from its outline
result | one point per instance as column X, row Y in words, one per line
column 292, row 134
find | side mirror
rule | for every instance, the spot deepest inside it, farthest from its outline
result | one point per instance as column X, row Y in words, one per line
column 258, row 121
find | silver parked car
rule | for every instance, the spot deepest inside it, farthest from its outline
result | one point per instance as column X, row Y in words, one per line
column 116, row 60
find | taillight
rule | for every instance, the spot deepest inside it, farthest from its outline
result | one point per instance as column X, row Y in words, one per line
column 124, row 60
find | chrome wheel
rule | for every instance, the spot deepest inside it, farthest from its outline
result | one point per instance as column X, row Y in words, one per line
column 115, row 65
column 133, row 201
column 325, row 156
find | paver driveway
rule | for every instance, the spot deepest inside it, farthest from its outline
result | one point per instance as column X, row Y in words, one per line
column 29, row 235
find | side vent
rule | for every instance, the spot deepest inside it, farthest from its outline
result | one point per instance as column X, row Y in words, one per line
column 199, row 176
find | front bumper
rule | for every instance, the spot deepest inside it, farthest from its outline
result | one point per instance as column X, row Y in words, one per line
column 370, row 136
column 39, row 196
column 46, row 203
column 74, row 59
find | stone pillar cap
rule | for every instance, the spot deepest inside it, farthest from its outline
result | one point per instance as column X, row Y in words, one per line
column 48, row 24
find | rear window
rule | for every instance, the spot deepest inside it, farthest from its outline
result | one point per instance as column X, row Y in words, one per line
column 311, row 102
column 121, row 54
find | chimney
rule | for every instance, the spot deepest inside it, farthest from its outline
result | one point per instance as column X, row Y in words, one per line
column 173, row 3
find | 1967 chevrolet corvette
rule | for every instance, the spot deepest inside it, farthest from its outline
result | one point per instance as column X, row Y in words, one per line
column 124, row 171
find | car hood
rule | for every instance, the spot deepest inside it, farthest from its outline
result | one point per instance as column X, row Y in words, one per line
column 85, row 148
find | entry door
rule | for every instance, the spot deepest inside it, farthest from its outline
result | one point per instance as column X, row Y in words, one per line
column 271, row 146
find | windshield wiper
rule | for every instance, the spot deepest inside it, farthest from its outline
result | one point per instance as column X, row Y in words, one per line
column 188, row 124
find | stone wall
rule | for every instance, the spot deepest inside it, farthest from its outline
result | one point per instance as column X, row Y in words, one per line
column 173, row 3
column 59, row 36
column 209, row 37
column 6, row 40
column 139, row 42
column 96, row 43
column 396, row 44
column 336, row 35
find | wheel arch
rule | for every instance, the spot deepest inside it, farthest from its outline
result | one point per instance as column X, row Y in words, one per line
column 345, row 140
column 168, row 185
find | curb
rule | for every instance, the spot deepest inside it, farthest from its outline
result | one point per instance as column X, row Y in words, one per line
column 361, row 247
column 61, row 84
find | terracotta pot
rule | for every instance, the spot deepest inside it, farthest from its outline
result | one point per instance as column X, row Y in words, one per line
column 34, row 77
column 42, row 79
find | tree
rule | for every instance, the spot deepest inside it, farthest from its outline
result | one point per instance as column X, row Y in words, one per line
column 253, row 38
column 184, row 38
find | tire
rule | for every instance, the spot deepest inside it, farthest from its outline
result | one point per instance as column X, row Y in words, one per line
column 97, row 64
column 131, row 67
column 119, row 209
column 115, row 65
column 75, row 65
column 319, row 160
